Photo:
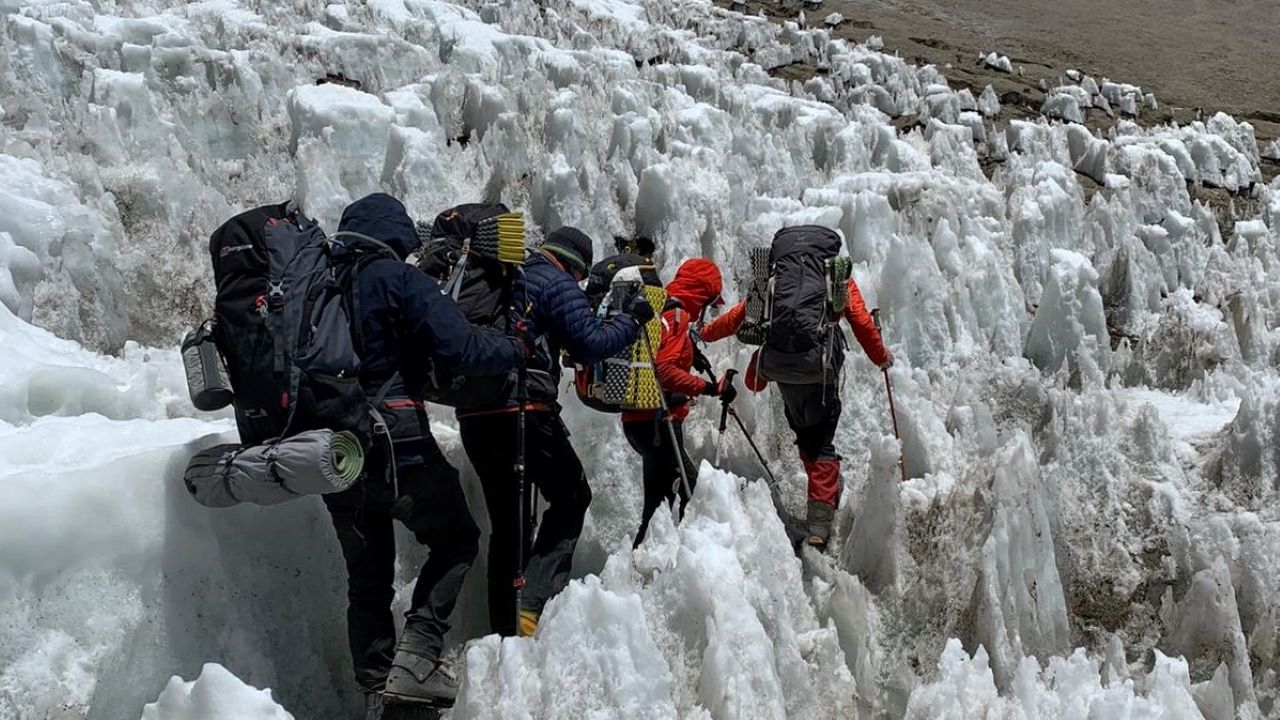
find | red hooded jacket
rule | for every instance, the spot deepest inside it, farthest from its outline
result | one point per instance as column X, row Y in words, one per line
column 697, row 283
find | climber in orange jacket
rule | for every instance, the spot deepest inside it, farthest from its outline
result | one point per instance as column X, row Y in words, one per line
column 695, row 288
column 813, row 412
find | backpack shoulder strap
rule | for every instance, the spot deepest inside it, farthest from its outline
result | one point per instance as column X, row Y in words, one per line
column 385, row 389
column 349, row 278
column 383, row 248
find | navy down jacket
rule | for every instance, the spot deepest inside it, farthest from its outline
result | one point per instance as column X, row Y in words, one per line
column 404, row 318
column 557, row 316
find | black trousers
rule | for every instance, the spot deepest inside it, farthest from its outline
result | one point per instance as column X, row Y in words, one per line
column 813, row 412
column 554, row 469
column 652, row 440
column 432, row 505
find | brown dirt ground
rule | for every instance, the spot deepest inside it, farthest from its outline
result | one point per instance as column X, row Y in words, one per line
column 1194, row 55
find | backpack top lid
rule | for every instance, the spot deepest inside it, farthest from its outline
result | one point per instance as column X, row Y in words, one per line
column 809, row 239
column 238, row 247
column 459, row 222
column 603, row 273
column 243, row 229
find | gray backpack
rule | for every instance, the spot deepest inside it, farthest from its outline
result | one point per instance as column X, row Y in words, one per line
column 799, row 303
column 320, row 322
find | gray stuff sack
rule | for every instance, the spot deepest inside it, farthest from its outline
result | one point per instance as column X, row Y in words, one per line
column 315, row 462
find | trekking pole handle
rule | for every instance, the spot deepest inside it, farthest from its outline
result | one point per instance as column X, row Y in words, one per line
column 728, row 374
column 724, row 404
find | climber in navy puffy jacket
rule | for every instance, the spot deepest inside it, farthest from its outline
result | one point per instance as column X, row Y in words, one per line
column 551, row 312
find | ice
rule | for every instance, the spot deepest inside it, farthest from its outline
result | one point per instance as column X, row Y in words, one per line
column 1067, row 103
column 1085, row 324
column 877, row 526
column 1020, row 605
column 989, row 102
column 1069, row 320
column 710, row 617
column 996, row 61
column 1070, row 688
column 623, row 672
column 215, row 695
column 1188, row 420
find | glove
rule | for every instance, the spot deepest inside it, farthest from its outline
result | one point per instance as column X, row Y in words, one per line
column 888, row 362
column 722, row 388
column 525, row 345
column 639, row 308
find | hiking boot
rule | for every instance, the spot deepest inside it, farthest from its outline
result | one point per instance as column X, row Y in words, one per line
column 373, row 706
column 528, row 623
column 416, row 679
column 819, row 521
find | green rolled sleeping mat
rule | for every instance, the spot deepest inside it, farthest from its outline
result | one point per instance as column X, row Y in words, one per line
column 316, row 462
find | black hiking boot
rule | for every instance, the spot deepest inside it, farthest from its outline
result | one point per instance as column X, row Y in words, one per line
column 819, row 521
column 418, row 680
column 373, row 706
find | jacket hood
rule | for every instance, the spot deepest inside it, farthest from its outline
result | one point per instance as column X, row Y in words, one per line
column 697, row 283
column 382, row 218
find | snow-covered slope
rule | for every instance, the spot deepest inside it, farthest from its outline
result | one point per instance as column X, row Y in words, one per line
column 1086, row 385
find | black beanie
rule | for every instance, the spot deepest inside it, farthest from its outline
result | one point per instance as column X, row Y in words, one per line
column 572, row 247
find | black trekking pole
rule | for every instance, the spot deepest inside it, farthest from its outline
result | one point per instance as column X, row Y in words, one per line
column 725, row 409
column 795, row 529
column 666, row 418
column 522, row 392
column 759, row 455
column 888, row 386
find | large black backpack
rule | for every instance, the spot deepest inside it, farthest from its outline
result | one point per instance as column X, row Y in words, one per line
column 282, row 322
column 461, row 253
column 802, row 341
column 600, row 279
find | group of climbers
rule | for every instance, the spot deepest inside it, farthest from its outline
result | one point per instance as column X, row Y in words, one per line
column 411, row 329
column 812, row 409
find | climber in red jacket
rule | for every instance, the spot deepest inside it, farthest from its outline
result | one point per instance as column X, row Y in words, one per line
column 695, row 288
column 813, row 412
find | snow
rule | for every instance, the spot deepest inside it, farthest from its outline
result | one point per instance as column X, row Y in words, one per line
column 1085, row 387
column 1068, row 688
column 215, row 695
column 1188, row 420
column 710, row 615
